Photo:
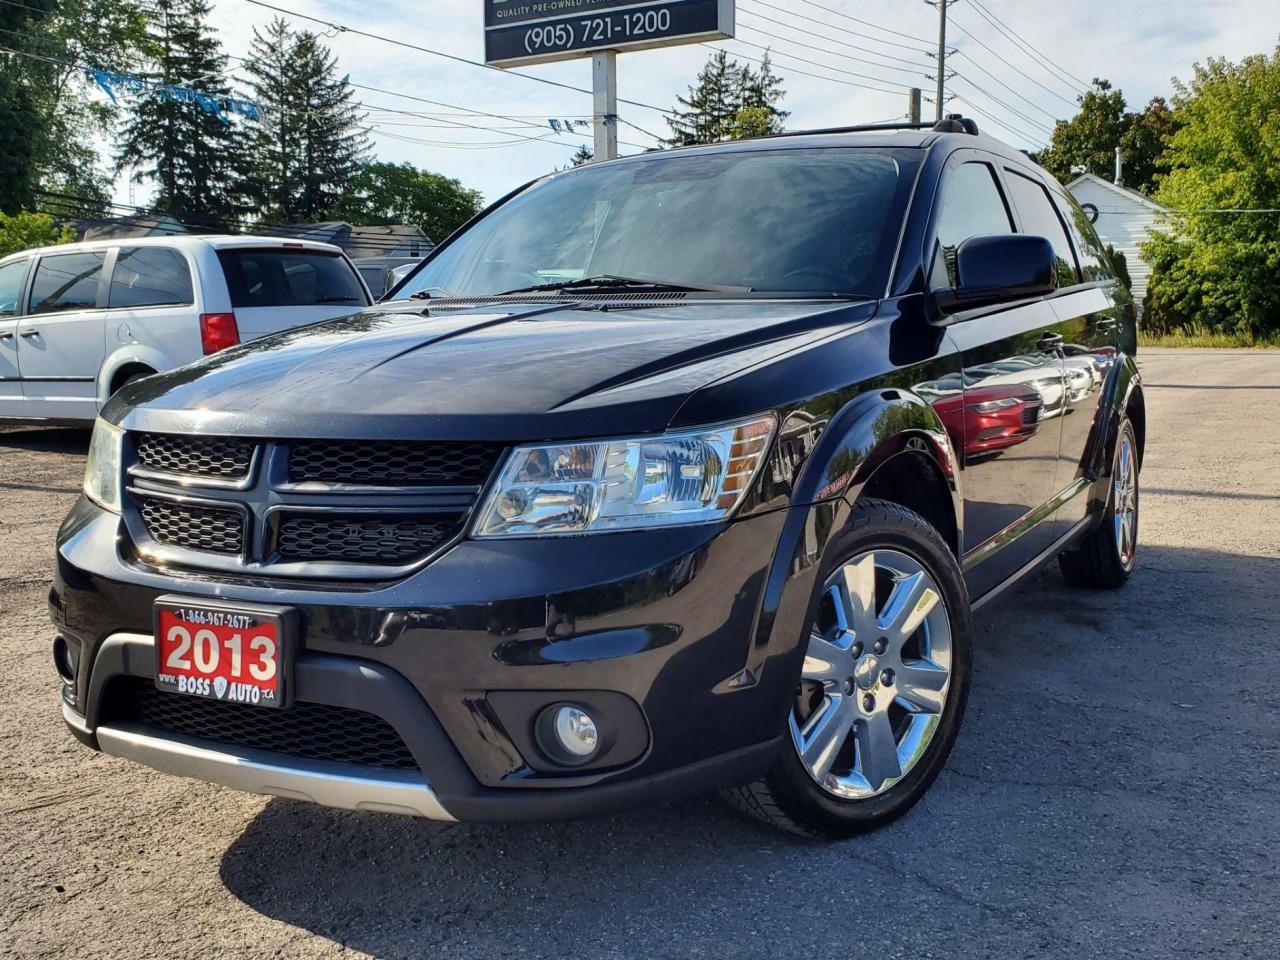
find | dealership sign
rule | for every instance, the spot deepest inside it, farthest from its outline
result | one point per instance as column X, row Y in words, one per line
column 518, row 32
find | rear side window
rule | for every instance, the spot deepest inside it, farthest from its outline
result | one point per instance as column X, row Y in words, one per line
column 1094, row 264
column 66, row 281
column 971, row 207
column 1040, row 218
column 289, row 278
column 150, row 277
column 11, row 277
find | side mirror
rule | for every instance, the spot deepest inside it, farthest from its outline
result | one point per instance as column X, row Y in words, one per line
column 998, row 269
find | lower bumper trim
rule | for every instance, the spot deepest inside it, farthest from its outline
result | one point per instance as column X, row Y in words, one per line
column 329, row 784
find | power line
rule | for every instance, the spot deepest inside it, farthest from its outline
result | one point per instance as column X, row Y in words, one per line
column 823, row 36
column 1011, row 66
column 833, row 53
column 865, row 23
column 1069, row 78
column 824, row 66
column 983, row 114
column 343, row 28
column 1035, row 124
column 1006, row 86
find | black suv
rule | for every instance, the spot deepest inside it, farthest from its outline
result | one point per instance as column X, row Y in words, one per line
column 668, row 474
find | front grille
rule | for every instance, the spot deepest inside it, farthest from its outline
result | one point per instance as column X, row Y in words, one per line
column 391, row 463
column 313, row 731
column 324, row 538
column 215, row 457
column 193, row 526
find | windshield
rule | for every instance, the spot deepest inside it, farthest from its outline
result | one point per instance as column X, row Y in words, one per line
column 790, row 221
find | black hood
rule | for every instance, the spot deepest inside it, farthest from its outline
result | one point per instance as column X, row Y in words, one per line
column 514, row 372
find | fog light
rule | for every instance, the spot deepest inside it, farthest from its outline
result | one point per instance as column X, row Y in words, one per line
column 568, row 734
column 66, row 657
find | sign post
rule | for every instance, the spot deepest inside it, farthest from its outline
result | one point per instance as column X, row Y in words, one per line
column 604, row 89
column 518, row 33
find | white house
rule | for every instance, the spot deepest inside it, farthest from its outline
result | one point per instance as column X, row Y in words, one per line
column 1125, row 220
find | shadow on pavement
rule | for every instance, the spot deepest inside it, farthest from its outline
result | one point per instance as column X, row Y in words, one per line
column 46, row 439
column 1114, row 787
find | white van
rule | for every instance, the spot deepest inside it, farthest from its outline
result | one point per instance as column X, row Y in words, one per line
column 79, row 321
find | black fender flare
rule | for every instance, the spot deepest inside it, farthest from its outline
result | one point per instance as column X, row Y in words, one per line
column 1122, row 389
column 862, row 437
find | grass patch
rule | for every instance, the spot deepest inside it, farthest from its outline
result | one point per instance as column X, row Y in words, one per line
column 1201, row 336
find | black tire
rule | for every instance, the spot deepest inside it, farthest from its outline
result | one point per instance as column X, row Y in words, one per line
column 1098, row 562
column 788, row 797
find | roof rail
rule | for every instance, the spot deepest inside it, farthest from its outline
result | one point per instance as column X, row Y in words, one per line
column 951, row 123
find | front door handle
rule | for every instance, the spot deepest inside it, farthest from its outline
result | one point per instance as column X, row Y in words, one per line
column 1048, row 342
column 30, row 333
column 1105, row 324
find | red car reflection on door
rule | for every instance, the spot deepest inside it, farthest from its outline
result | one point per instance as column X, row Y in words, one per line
column 985, row 419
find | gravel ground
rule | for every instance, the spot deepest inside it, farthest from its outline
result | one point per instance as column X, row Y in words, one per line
column 1114, row 792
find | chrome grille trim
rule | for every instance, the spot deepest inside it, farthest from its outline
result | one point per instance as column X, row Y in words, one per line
column 270, row 498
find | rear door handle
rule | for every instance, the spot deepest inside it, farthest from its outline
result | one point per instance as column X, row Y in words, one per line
column 1105, row 324
column 1046, row 343
column 6, row 336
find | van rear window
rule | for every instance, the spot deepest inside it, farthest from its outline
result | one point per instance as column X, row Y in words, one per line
column 289, row 278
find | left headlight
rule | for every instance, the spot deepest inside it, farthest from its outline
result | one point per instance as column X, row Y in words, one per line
column 692, row 476
column 103, row 470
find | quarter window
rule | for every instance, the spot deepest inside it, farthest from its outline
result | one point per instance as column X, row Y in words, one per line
column 11, row 277
column 971, row 207
column 286, row 278
column 66, row 281
column 150, row 277
column 1094, row 263
column 1040, row 219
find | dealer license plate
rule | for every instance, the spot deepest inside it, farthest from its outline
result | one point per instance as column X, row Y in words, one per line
column 230, row 652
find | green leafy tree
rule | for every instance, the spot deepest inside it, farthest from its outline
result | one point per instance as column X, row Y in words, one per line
column 23, row 230
column 192, row 155
column 310, row 140
column 401, row 193
column 1221, row 270
column 730, row 101
column 20, row 117
column 110, row 34
column 1104, row 122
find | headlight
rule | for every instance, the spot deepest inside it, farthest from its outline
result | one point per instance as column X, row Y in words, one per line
column 672, row 478
column 991, row 406
column 102, row 471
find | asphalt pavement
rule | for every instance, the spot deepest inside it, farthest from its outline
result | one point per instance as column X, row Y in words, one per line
column 1115, row 791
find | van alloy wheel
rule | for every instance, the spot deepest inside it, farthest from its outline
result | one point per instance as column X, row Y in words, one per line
column 876, row 675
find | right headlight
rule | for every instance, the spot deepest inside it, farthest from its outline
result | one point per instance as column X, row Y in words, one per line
column 682, row 477
column 102, row 471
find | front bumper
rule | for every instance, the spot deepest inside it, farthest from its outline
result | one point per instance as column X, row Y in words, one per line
column 663, row 620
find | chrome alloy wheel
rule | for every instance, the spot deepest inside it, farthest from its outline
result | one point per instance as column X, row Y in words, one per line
column 875, row 677
column 1125, row 499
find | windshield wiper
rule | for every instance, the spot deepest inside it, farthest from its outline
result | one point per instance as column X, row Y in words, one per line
column 605, row 282
column 337, row 299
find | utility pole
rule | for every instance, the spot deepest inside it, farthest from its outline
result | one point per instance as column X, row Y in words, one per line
column 942, row 57
column 604, row 88
column 913, row 105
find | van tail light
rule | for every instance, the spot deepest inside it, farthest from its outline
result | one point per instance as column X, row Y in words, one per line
column 218, row 331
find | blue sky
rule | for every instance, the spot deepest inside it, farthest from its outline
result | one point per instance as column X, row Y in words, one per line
column 1139, row 46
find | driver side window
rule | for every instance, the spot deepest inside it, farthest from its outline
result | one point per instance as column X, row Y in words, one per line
column 11, row 277
column 972, row 206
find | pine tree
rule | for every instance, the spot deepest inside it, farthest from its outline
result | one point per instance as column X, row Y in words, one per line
column 192, row 154
column 309, row 142
column 729, row 102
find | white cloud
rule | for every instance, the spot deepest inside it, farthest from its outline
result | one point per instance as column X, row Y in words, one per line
column 1138, row 46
